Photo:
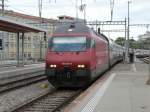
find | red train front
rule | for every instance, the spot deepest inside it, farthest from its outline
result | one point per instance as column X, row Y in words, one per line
column 71, row 59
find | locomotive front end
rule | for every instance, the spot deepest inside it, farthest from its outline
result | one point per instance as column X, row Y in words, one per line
column 67, row 61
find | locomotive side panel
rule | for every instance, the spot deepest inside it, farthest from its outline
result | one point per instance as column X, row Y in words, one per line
column 102, row 56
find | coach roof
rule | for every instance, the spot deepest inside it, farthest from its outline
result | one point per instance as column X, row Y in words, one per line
column 69, row 27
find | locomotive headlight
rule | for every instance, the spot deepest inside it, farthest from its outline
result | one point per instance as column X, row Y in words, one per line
column 81, row 66
column 53, row 66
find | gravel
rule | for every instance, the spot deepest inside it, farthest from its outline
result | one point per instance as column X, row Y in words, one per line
column 18, row 96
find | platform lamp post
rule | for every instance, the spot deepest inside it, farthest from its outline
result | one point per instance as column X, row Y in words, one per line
column 148, row 81
column 128, row 34
column 128, row 31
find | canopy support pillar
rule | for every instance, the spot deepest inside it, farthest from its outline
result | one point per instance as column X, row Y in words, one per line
column 22, row 48
column 17, row 50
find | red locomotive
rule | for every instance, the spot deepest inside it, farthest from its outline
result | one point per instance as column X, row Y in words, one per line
column 77, row 55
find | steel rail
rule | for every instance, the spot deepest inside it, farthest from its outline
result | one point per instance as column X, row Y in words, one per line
column 13, row 78
column 47, row 102
column 14, row 84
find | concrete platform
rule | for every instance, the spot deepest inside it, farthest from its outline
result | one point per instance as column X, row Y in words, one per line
column 123, row 89
column 9, row 63
column 13, row 71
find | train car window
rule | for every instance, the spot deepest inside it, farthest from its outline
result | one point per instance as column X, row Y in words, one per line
column 50, row 43
column 88, row 43
column 93, row 44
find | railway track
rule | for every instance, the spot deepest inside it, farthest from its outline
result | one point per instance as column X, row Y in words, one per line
column 9, row 83
column 47, row 102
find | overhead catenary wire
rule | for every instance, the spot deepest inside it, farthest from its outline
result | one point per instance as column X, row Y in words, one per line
column 44, row 4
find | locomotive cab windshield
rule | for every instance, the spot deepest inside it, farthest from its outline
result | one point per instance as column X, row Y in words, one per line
column 69, row 44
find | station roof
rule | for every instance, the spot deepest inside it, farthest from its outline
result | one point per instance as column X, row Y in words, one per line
column 13, row 26
column 28, row 17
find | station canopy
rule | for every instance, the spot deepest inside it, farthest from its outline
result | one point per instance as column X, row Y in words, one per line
column 15, row 27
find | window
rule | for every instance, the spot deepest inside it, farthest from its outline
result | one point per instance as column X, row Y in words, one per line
column 29, row 38
column 12, row 45
column 93, row 44
column 29, row 45
column 29, row 55
column 1, row 44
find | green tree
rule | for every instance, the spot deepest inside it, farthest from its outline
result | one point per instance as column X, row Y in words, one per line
column 120, row 41
column 132, row 43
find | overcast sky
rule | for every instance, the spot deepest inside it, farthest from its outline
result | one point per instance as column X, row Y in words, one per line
column 96, row 10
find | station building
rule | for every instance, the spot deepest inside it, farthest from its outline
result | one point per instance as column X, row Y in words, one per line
column 34, row 43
